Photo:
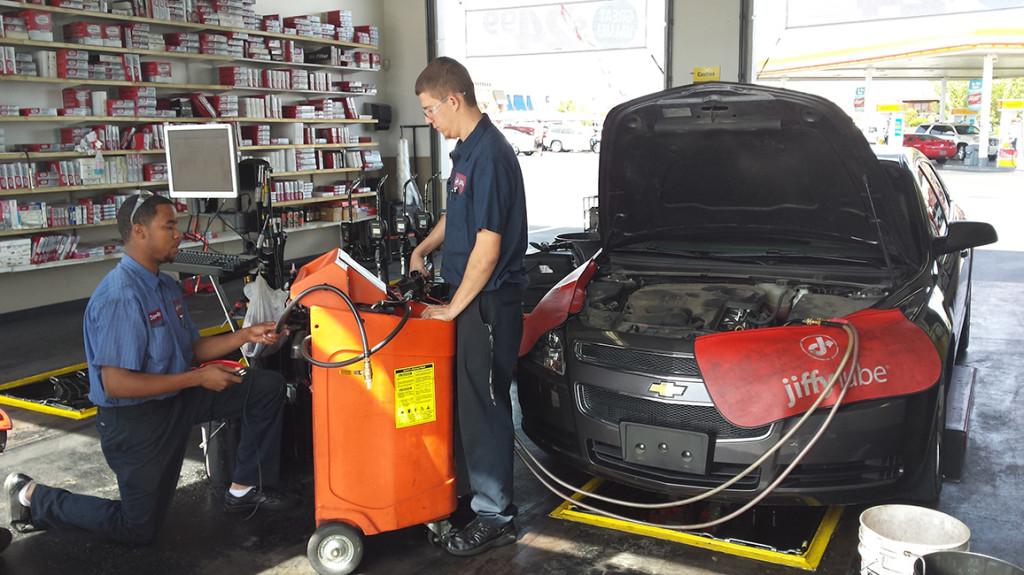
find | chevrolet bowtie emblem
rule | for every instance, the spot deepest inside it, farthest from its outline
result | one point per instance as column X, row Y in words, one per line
column 667, row 389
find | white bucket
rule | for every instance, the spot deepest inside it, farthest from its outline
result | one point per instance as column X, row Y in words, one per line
column 892, row 537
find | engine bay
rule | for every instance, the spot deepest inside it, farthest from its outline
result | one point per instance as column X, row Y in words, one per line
column 666, row 308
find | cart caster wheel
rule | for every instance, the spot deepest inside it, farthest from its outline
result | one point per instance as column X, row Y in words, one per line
column 335, row 549
column 438, row 532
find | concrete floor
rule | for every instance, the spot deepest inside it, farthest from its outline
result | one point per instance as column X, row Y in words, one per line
column 200, row 539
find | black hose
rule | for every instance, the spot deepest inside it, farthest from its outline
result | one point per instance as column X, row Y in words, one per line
column 308, row 355
column 367, row 351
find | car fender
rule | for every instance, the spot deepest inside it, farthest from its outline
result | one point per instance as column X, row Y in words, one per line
column 564, row 298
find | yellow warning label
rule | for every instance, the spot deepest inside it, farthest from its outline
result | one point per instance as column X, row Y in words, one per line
column 414, row 396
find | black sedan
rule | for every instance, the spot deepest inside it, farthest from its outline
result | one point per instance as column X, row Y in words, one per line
column 681, row 353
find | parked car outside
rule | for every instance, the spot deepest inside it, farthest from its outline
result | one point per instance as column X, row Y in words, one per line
column 962, row 134
column 678, row 354
column 566, row 138
column 522, row 143
column 933, row 147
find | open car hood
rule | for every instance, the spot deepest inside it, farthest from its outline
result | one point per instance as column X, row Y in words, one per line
column 742, row 159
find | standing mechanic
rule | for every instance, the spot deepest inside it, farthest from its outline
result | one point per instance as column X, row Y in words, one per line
column 140, row 344
column 485, row 236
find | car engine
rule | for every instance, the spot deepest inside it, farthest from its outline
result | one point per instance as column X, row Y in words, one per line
column 681, row 310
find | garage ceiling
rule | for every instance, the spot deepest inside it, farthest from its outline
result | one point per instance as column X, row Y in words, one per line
column 951, row 46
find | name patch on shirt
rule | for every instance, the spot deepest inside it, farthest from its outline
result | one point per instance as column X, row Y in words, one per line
column 459, row 183
column 155, row 316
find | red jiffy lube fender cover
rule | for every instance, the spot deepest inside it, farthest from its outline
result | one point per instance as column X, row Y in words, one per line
column 759, row 376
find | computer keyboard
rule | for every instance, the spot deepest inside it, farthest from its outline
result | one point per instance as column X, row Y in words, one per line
column 210, row 263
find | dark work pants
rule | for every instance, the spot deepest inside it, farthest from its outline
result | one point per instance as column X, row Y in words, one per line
column 145, row 447
column 488, row 333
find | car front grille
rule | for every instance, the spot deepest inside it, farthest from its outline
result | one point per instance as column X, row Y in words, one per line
column 637, row 360
column 614, row 408
column 610, row 457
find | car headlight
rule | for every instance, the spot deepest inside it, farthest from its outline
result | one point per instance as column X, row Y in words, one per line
column 549, row 352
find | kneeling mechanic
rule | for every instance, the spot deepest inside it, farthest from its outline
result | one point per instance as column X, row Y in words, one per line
column 140, row 347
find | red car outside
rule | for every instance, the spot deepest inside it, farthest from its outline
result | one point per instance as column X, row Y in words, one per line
column 934, row 147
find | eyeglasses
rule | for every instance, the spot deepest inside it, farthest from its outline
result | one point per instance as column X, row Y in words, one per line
column 429, row 112
column 143, row 196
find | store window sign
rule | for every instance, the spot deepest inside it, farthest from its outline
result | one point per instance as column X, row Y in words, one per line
column 547, row 28
column 974, row 95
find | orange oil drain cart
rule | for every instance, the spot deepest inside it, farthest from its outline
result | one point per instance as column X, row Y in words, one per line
column 382, row 449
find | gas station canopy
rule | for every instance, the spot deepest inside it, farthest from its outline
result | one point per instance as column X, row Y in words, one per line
column 945, row 46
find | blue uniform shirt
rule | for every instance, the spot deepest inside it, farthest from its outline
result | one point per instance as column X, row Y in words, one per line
column 136, row 320
column 485, row 192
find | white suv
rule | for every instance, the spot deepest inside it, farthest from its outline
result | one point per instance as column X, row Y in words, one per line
column 963, row 134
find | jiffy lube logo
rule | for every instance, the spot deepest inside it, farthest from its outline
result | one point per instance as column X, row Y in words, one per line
column 820, row 347
column 810, row 383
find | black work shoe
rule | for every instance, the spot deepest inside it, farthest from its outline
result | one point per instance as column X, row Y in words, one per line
column 21, row 516
column 478, row 537
column 267, row 498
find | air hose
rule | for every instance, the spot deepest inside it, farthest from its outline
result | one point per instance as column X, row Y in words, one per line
column 852, row 351
column 367, row 350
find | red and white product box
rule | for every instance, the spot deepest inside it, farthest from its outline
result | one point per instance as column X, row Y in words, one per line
column 71, row 135
column 67, row 56
column 134, row 92
column 156, row 71
column 154, row 172
column 272, row 23
column 367, row 35
column 39, row 25
column 7, row 64
column 338, row 17
column 132, row 67
column 41, row 147
column 120, row 108
column 39, row 111
column 112, row 35
column 75, row 98
column 90, row 33
column 14, row 26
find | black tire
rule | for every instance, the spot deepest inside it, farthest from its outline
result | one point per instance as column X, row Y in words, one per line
column 928, row 484
column 530, row 153
column 335, row 549
column 941, row 160
column 596, row 147
column 556, row 146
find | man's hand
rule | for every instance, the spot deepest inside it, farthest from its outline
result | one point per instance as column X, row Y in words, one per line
column 217, row 376
column 416, row 264
column 262, row 333
column 441, row 312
